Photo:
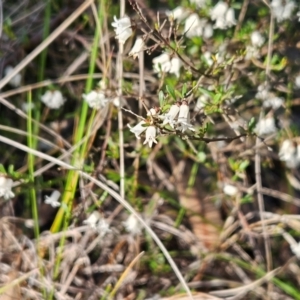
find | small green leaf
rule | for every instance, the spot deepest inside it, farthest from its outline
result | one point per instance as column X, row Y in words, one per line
column 161, row 98
column 171, row 91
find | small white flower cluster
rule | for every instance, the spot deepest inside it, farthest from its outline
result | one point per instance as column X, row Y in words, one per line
column 53, row 199
column 122, row 28
column 270, row 100
column 163, row 63
column 257, row 40
column 16, row 80
column 5, row 187
column 266, row 126
column 282, row 9
column 96, row 99
column 132, row 225
column 178, row 117
column 137, row 48
column 290, row 154
column 223, row 15
column 96, row 222
column 297, row 81
column 53, row 99
column 230, row 190
column 179, row 13
column 195, row 26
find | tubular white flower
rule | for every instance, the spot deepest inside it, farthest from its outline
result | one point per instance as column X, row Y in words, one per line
column 150, row 136
column 184, row 118
column 208, row 31
column 230, row 18
column 223, row 15
column 194, row 26
column 53, row 99
column 169, row 118
column 161, row 63
column 219, row 10
column 95, row 99
column 132, row 225
column 282, row 10
column 179, row 13
column 266, row 126
column 122, row 28
column 92, row 220
column 201, row 102
column 138, row 129
column 16, row 80
column 137, row 48
column 257, row 39
column 230, row 190
column 290, row 154
column 53, row 199
column 5, row 187
column 153, row 111
column 96, row 222
column 208, row 58
column 175, row 66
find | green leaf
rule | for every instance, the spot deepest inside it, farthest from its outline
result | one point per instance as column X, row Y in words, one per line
column 251, row 124
column 171, row 91
column 161, row 98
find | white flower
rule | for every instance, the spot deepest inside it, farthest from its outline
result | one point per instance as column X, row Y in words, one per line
column 282, row 9
column 150, row 136
column 199, row 3
column 161, row 63
column 194, row 26
column 5, row 187
column 175, row 66
column 230, row 18
column 223, row 15
column 96, row 222
column 266, row 126
column 179, row 13
column 252, row 52
column 208, row 58
column 297, row 81
column 201, row 102
column 298, row 15
column 219, row 10
column 273, row 101
column 184, row 118
column 290, row 153
column 257, row 39
column 208, row 31
column 262, row 91
column 95, row 99
column 132, row 225
column 230, row 190
column 153, row 111
column 138, row 129
column 164, row 64
column 53, row 99
column 53, row 199
column 137, row 48
column 122, row 28
column 169, row 117
column 16, row 80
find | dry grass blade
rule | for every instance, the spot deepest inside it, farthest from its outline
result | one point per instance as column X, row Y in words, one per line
column 248, row 287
